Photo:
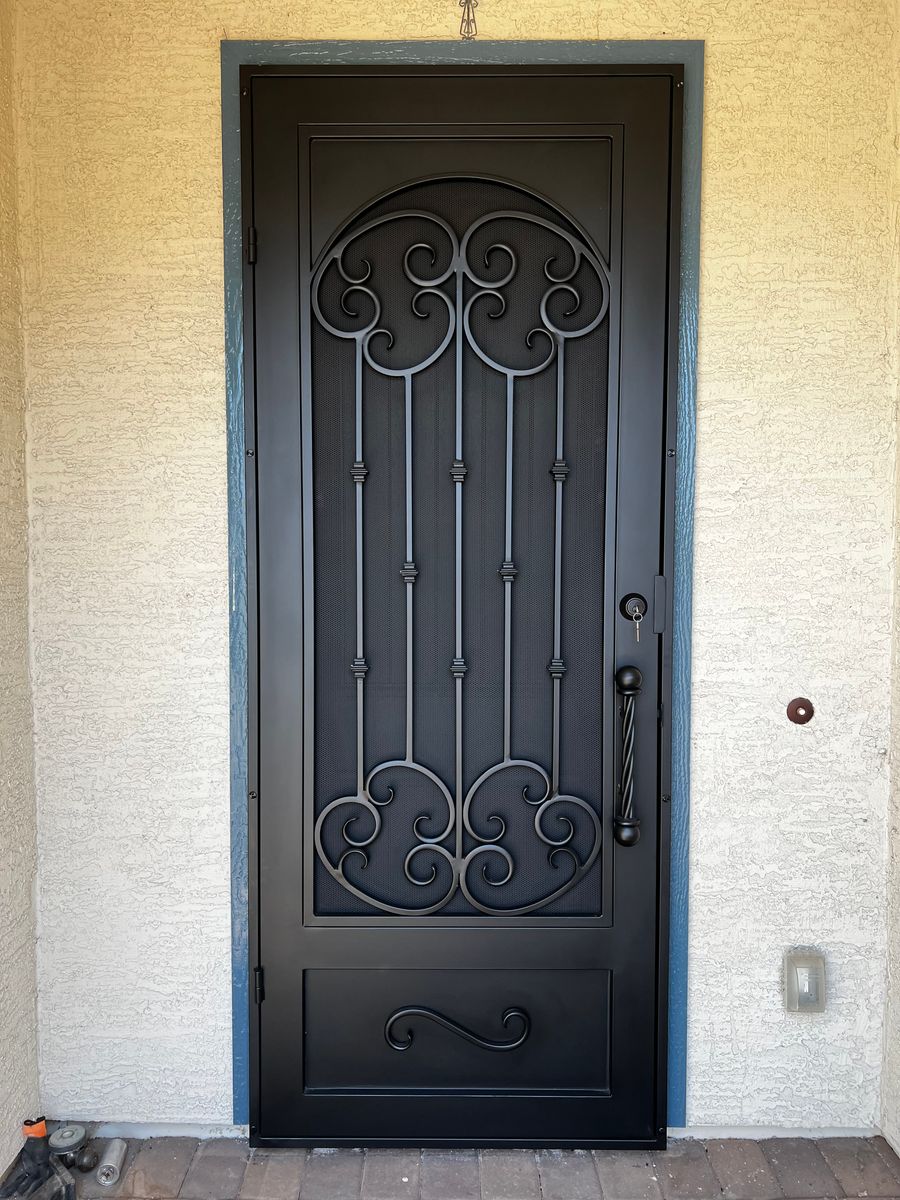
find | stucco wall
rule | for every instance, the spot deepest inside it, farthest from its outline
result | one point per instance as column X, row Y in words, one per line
column 18, row 1021
column 123, row 296
column 793, row 551
column 890, row 1085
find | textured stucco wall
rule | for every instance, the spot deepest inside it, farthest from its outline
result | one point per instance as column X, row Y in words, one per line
column 123, row 295
column 18, row 1018
column 793, row 562
column 890, row 1086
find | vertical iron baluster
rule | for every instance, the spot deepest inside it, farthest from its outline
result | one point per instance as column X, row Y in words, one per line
column 358, row 474
column 508, row 572
column 559, row 471
column 458, row 474
column 409, row 567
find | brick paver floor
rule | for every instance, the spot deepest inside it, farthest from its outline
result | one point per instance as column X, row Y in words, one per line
column 226, row 1169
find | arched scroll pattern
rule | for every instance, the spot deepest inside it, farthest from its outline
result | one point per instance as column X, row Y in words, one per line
column 457, row 843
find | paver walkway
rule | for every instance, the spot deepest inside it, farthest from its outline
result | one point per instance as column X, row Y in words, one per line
column 225, row 1169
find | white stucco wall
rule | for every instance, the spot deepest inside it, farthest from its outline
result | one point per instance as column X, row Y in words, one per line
column 890, row 1084
column 792, row 573
column 18, row 1019
column 123, row 305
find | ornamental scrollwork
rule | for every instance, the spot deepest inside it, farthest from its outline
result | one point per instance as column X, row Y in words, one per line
column 516, row 1020
column 458, row 287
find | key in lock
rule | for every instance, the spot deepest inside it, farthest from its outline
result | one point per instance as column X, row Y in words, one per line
column 634, row 607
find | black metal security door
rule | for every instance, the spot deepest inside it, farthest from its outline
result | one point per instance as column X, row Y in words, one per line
column 459, row 350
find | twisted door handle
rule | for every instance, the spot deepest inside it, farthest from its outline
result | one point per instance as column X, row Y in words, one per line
column 626, row 826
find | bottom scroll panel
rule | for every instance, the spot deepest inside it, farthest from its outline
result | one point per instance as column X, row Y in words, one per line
column 460, row 1030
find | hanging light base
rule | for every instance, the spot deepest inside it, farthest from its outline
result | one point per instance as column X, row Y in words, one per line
column 468, row 29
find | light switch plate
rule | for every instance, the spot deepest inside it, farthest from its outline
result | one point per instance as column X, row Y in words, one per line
column 804, row 981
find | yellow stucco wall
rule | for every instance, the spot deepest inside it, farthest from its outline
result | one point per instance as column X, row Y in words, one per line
column 890, row 1080
column 121, row 235
column 18, row 1016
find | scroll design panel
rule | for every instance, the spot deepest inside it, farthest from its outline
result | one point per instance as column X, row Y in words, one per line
column 460, row 285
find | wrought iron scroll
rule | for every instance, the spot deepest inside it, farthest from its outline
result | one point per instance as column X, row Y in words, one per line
column 517, row 1015
column 456, row 291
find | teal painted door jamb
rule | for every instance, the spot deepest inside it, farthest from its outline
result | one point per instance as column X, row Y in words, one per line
column 690, row 53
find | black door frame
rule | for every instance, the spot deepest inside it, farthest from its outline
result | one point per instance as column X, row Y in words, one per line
column 686, row 372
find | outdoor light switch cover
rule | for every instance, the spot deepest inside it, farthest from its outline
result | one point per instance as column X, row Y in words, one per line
column 804, row 981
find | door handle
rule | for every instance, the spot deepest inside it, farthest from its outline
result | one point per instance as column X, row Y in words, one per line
column 626, row 826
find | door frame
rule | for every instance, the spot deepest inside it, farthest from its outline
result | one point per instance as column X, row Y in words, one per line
column 235, row 54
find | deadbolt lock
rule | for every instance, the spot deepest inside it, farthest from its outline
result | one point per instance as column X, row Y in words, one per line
column 633, row 605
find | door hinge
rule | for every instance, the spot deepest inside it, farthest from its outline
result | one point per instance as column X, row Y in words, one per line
column 251, row 245
column 259, row 985
column 660, row 601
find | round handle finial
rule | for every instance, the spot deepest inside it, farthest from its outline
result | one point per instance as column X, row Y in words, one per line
column 629, row 680
column 627, row 831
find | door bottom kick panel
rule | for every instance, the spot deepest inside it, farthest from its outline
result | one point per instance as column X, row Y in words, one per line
column 484, row 1120
column 450, row 1030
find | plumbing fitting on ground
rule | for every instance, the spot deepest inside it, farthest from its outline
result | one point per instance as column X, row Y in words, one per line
column 70, row 1143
